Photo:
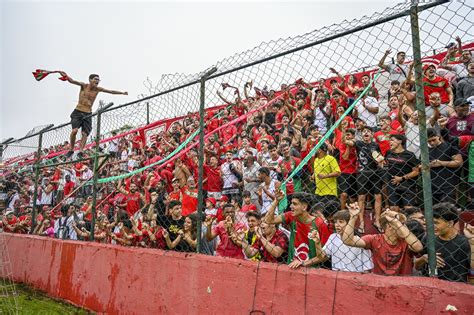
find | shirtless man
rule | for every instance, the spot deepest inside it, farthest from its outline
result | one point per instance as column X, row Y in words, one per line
column 80, row 117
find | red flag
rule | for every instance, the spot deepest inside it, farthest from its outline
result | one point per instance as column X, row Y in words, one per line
column 40, row 74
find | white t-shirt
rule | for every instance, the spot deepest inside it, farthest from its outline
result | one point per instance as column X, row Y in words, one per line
column 113, row 146
column 347, row 258
column 396, row 72
column 64, row 225
column 266, row 200
column 320, row 120
column 460, row 70
column 364, row 114
column 227, row 176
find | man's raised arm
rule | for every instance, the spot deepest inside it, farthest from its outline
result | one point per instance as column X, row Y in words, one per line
column 382, row 61
column 111, row 91
column 348, row 236
column 270, row 216
column 71, row 80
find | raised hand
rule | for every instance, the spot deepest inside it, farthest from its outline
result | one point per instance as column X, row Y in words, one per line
column 354, row 209
column 209, row 220
column 391, row 216
column 279, row 195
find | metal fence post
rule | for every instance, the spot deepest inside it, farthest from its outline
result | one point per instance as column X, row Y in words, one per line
column 201, row 155
column 425, row 169
column 147, row 113
column 37, row 171
column 96, row 168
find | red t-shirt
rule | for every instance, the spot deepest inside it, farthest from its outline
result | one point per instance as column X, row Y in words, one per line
column 68, row 188
column 213, row 124
column 334, row 105
column 214, row 179
column 383, row 140
column 226, row 248
column 389, row 259
column 227, row 133
column 301, row 243
column 247, row 208
column 395, row 123
column 348, row 166
column 176, row 195
column 133, row 203
column 159, row 243
column 338, row 133
column 88, row 217
column 189, row 202
column 279, row 239
column 438, row 84
column 12, row 223
column 287, row 167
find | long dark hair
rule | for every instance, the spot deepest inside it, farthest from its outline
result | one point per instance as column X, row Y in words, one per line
column 194, row 219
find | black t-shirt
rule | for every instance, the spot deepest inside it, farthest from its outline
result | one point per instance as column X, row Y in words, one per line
column 159, row 207
column 456, row 254
column 364, row 155
column 173, row 227
column 444, row 176
column 399, row 164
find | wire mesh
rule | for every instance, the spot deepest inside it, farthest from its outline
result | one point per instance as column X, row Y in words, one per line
column 328, row 117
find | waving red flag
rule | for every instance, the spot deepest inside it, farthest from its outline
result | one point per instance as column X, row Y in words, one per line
column 40, row 74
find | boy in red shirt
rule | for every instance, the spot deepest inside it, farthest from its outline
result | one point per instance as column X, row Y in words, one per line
column 227, row 230
column 392, row 251
column 190, row 197
column 302, row 223
column 434, row 83
column 382, row 137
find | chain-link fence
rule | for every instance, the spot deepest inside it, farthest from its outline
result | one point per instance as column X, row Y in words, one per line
column 347, row 148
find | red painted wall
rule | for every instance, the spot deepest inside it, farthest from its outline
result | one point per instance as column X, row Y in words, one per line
column 120, row 280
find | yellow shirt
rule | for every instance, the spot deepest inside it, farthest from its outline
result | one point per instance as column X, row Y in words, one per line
column 326, row 165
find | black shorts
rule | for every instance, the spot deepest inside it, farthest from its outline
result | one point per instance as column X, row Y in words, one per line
column 347, row 183
column 370, row 181
column 81, row 120
column 401, row 195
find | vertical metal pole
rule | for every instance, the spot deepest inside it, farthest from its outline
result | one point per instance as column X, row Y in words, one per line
column 96, row 169
column 147, row 113
column 425, row 170
column 37, row 171
column 201, row 156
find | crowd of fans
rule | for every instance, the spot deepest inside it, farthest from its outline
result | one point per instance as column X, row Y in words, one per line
column 357, row 205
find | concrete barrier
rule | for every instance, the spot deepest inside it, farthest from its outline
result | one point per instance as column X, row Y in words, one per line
column 120, row 280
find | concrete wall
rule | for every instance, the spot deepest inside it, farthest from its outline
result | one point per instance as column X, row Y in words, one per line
column 120, row 280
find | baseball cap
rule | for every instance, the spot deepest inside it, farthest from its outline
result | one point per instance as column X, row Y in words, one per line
column 461, row 101
column 427, row 65
column 211, row 200
column 450, row 45
column 224, row 198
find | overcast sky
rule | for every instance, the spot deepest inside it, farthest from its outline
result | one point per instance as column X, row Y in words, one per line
column 126, row 42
